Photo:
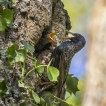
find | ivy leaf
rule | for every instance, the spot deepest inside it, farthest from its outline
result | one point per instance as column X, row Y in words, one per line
column 7, row 15
column 35, row 97
column 3, row 24
column 42, row 101
column 28, row 46
column 4, row 2
column 20, row 55
column 72, row 83
column 40, row 69
column 15, row 55
column 47, row 95
column 6, row 18
column 49, row 99
column 52, row 73
column 11, row 54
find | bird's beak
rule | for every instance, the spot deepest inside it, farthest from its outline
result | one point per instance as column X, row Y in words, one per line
column 51, row 35
column 67, row 36
column 70, row 33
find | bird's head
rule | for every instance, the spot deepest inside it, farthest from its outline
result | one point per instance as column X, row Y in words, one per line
column 76, row 38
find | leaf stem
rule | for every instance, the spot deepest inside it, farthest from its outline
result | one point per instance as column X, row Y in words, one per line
column 34, row 69
column 22, row 74
column 23, row 69
column 49, row 64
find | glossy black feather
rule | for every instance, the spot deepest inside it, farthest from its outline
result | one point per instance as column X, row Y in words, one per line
column 62, row 56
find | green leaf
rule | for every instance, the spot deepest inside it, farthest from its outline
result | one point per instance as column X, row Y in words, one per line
column 1, row 66
column 67, row 95
column 40, row 69
column 50, row 97
column 35, row 97
column 75, row 100
column 52, row 73
column 3, row 24
column 64, row 103
column 11, row 54
column 49, row 64
column 20, row 55
column 72, row 83
column 6, row 18
column 21, row 84
column 7, row 15
column 4, row 2
column 54, row 105
column 42, row 101
column 28, row 46
column 15, row 55
column 14, row 1
column 46, row 95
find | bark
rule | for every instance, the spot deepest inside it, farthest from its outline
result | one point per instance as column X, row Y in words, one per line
column 95, row 87
column 32, row 20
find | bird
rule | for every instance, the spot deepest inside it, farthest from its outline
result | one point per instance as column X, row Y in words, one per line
column 45, row 41
column 62, row 56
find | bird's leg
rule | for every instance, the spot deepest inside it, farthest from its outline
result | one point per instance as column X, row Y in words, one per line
column 44, row 83
column 48, row 86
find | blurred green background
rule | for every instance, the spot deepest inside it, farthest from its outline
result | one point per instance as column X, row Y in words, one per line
column 80, row 14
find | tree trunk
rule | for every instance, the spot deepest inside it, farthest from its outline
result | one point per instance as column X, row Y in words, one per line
column 32, row 20
column 95, row 87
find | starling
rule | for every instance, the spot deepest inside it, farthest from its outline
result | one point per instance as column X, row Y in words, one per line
column 62, row 56
column 45, row 41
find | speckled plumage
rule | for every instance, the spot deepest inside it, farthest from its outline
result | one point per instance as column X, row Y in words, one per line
column 62, row 56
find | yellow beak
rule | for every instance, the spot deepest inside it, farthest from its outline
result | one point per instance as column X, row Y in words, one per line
column 51, row 35
column 70, row 33
column 66, row 37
